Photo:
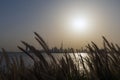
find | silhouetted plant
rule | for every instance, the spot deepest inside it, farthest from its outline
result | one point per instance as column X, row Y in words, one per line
column 100, row 64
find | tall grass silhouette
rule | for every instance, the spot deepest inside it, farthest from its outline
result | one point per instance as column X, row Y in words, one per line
column 100, row 64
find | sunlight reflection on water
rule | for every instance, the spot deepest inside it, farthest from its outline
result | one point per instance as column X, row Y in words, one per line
column 29, row 62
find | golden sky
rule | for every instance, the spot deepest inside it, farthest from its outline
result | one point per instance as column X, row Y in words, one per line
column 73, row 22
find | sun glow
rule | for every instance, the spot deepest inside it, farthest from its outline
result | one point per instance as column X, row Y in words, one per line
column 79, row 24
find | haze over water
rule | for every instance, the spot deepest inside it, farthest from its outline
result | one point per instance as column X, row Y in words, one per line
column 73, row 22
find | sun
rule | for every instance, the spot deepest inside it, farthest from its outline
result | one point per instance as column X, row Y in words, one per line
column 79, row 24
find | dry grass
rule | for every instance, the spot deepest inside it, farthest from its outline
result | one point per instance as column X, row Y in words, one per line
column 101, row 64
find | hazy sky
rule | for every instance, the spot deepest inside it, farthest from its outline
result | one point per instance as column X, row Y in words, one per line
column 52, row 19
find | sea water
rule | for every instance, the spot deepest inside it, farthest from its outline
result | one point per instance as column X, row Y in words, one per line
column 29, row 62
